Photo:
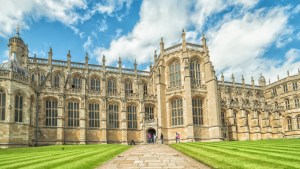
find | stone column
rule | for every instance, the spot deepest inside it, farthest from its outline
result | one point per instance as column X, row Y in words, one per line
column 124, row 122
column 232, row 129
column 82, row 122
column 104, row 109
column 60, row 120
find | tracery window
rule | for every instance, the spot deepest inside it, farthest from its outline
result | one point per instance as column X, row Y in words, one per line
column 285, row 88
column 56, row 81
column 195, row 72
column 113, row 116
column 94, row 115
column 112, row 87
column 297, row 105
column 175, row 75
column 197, row 111
column 149, row 113
column 287, row 104
column 95, row 84
column 73, row 114
column 33, row 77
column 51, row 112
column 131, row 117
column 295, row 86
column 145, row 87
column 289, row 123
column 18, row 108
column 128, row 88
column 2, row 104
column 177, row 112
column 274, row 92
column 76, row 83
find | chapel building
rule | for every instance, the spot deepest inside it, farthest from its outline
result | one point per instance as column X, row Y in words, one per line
column 48, row 101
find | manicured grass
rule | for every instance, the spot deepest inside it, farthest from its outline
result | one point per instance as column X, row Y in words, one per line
column 62, row 156
column 267, row 154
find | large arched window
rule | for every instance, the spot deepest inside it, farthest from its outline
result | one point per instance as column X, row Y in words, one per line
column 289, row 123
column 18, row 108
column 2, row 104
column 197, row 111
column 149, row 112
column 112, row 87
column 95, row 84
column 73, row 114
column 128, row 88
column 32, row 77
column 76, row 82
column 195, row 72
column 51, row 112
column 177, row 112
column 56, row 81
column 113, row 116
column 297, row 105
column 131, row 117
column 94, row 115
column 298, row 121
column 175, row 75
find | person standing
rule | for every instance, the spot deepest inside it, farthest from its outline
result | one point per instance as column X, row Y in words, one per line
column 176, row 137
column 154, row 138
column 162, row 138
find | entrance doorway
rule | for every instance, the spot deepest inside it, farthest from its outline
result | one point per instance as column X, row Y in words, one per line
column 150, row 135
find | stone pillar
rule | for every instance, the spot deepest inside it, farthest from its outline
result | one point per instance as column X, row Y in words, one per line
column 243, row 130
column 82, row 122
column 104, row 108
column 60, row 120
column 187, row 108
column 232, row 128
column 124, row 122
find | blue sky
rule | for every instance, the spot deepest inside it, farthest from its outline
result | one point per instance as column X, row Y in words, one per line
column 245, row 37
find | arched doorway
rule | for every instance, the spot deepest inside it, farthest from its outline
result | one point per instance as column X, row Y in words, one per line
column 150, row 135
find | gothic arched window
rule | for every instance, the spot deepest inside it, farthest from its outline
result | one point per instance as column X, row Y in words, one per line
column 56, row 81
column 289, row 123
column 131, row 117
column 95, row 84
column 197, row 111
column 297, row 105
column 51, row 112
column 94, row 115
column 112, row 87
column 195, row 72
column 18, row 108
column 175, row 75
column 177, row 112
column 128, row 88
column 298, row 121
column 73, row 114
column 113, row 116
column 42, row 78
column 76, row 82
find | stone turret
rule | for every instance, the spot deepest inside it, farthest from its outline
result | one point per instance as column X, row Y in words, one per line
column 261, row 80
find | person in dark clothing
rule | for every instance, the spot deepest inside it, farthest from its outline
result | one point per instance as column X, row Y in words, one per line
column 162, row 138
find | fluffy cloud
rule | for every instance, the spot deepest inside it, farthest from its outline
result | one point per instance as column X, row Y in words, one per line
column 15, row 12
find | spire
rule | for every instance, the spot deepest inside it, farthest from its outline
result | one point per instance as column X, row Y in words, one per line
column 277, row 77
column 103, row 60
column 155, row 56
column 69, row 59
column 232, row 78
column 135, row 65
column 204, row 41
column 252, row 81
column 183, row 36
column 50, row 56
column 162, row 45
column 86, row 59
column 120, row 63
column 18, row 30
column 243, row 80
column 288, row 73
column 222, row 77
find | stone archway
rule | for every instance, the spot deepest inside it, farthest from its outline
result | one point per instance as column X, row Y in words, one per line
column 150, row 135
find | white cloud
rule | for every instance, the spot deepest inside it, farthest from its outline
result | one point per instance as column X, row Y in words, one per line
column 87, row 44
column 155, row 21
column 103, row 25
column 15, row 12
column 237, row 46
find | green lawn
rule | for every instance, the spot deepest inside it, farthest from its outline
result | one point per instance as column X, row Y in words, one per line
column 267, row 154
column 62, row 156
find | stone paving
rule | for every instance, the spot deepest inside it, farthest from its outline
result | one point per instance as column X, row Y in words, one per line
column 152, row 156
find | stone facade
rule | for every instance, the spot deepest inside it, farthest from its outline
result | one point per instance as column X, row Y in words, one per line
column 47, row 101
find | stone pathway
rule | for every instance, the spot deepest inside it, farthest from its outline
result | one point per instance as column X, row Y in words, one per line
column 152, row 156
